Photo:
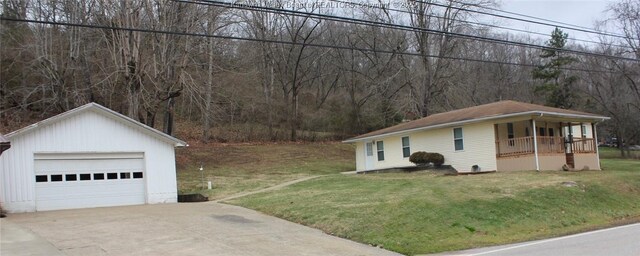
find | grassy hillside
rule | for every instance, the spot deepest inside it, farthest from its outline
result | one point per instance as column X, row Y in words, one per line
column 235, row 168
column 425, row 213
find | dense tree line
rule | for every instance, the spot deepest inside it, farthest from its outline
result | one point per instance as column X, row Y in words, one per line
column 298, row 91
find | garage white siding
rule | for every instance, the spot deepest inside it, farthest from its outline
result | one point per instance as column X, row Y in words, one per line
column 92, row 130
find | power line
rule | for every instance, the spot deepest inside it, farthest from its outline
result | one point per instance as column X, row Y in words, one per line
column 532, row 17
column 392, row 26
column 523, row 20
column 473, row 23
column 286, row 43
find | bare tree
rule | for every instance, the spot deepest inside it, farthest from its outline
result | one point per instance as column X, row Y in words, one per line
column 265, row 26
column 435, row 71
column 125, row 49
column 294, row 63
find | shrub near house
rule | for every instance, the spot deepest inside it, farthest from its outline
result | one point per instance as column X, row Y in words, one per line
column 422, row 158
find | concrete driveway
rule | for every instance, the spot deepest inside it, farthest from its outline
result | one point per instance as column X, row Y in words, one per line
column 169, row 229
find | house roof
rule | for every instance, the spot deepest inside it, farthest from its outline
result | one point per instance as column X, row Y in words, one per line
column 97, row 108
column 496, row 110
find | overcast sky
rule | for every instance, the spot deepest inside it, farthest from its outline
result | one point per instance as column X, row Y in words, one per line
column 578, row 12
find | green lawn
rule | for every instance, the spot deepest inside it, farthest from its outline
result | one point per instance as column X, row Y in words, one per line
column 606, row 152
column 239, row 168
column 424, row 213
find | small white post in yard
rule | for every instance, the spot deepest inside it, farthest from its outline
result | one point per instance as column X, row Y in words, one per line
column 535, row 145
column 210, row 185
column 202, row 174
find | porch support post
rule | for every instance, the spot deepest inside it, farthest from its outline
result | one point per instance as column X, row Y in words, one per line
column 535, row 144
column 595, row 142
column 497, row 138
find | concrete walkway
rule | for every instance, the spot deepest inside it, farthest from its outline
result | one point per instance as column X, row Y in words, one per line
column 279, row 186
column 171, row 229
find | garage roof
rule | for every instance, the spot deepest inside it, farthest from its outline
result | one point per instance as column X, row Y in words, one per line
column 500, row 109
column 97, row 108
column 4, row 144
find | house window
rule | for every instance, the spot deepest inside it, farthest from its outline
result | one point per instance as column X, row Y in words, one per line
column 380, row 147
column 526, row 131
column 583, row 129
column 457, row 139
column 541, row 131
column 369, row 148
column 510, row 134
column 406, row 150
column 551, row 132
column 510, row 131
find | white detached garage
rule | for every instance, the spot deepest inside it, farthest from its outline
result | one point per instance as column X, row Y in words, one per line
column 90, row 156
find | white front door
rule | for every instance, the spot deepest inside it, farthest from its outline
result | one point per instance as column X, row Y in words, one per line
column 84, row 180
column 368, row 156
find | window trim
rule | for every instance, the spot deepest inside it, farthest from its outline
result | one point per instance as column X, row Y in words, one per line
column 408, row 146
column 84, row 175
column 455, row 139
column 379, row 145
column 125, row 175
column 56, row 178
column 100, row 174
column 109, row 175
column 137, row 175
column 40, row 176
column 73, row 176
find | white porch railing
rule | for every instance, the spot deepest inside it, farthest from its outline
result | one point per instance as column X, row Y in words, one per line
column 546, row 145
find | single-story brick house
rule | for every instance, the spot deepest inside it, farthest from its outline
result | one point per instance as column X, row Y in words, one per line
column 501, row 136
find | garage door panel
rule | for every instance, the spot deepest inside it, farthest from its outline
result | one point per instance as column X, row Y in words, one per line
column 77, row 182
column 75, row 165
column 124, row 188
column 87, row 202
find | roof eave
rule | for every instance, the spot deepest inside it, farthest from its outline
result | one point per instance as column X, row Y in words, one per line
column 46, row 121
column 577, row 116
column 175, row 141
column 540, row 113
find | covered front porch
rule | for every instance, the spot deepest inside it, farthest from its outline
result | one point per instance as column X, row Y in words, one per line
column 545, row 144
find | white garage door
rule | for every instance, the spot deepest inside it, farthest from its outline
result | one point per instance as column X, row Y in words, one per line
column 68, row 181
